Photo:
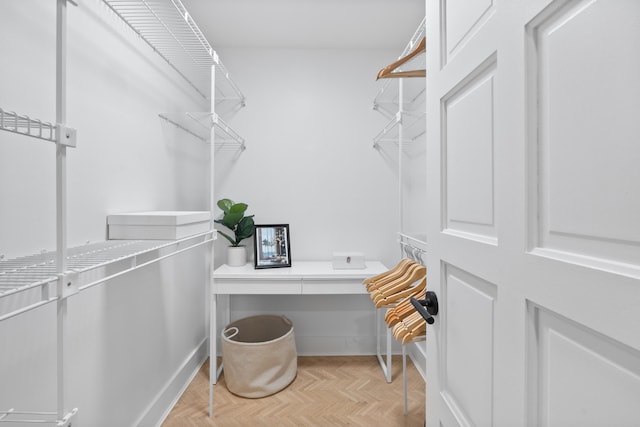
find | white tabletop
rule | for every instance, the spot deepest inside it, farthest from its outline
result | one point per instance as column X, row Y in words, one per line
column 299, row 270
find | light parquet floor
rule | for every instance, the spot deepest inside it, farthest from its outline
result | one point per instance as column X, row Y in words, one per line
column 329, row 391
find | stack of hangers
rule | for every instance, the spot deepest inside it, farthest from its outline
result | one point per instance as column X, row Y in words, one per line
column 393, row 290
column 388, row 288
column 408, row 325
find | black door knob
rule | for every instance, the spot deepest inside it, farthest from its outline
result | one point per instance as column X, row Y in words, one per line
column 430, row 302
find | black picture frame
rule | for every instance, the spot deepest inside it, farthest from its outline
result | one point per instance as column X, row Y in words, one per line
column 272, row 246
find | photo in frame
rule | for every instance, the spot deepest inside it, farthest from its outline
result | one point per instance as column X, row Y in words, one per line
column 272, row 246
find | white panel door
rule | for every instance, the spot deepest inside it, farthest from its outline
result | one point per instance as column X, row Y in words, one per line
column 533, row 160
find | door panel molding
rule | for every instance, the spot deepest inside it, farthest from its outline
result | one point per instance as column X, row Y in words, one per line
column 582, row 205
column 467, row 146
column 586, row 378
column 461, row 20
column 467, row 348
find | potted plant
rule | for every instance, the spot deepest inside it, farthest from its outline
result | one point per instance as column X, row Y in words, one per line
column 233, row 218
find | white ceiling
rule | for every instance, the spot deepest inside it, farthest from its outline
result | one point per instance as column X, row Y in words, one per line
column 307, row 23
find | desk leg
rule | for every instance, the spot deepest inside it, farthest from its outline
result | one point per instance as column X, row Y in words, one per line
column 214, row 369
column 386, row 367
column 213, row 350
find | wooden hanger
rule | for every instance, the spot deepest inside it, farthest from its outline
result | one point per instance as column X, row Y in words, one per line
column 418, row 329
column 410, row 328
column 387, row 72
column 401, row 268
column 385, row 300
column 403, row 328
column 403, row 309
column 414, row 273
column 402, row 265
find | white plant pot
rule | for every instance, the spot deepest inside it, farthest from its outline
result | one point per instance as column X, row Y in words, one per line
column 236, row 256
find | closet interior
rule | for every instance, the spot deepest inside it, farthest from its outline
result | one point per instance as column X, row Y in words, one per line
column 51, row 279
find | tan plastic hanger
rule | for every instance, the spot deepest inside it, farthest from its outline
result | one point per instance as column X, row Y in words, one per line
column 401, row 268
column 387, row 72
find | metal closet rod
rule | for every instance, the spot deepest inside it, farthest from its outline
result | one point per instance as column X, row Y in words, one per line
column 412, row 247
column 413, row 252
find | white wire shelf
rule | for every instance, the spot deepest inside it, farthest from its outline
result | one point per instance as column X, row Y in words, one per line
column 29, row 282
column 388, row 93
column 225, row 136
column 28, row 126
column 418, row 35
column 388, row 99
column 199, row 125
column 25, row 125
column 14, row 417
column 413, row 127
column 169, row 29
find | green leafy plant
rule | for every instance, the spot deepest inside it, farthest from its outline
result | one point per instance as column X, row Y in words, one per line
column 234, row 219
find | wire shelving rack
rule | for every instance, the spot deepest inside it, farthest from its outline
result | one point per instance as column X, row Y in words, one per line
column 33, row 281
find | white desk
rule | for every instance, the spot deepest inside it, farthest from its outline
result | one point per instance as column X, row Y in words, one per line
column 302, row 278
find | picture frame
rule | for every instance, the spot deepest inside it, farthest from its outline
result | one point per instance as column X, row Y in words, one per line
column 272, row 246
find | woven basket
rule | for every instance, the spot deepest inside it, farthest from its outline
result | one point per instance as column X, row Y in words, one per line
column 259, row 355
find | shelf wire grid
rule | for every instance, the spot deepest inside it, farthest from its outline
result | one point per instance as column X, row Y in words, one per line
column 167, row 27
column 25, row 125
column 38, row 271
column 388, row 93
column 199, row 125
column 14, row 417
column 413, row 129
column 418, row 35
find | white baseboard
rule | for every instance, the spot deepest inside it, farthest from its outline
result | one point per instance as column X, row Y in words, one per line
column 418, row 357
column 159, row 409
column 341, row 346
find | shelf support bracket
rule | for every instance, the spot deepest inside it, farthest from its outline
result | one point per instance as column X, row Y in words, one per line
column 68, row 284
column 65, row 135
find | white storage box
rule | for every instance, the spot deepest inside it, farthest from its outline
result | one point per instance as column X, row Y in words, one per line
column 348, row 260
column 158, row 225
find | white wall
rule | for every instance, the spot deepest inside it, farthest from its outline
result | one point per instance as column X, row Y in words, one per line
column 135, row 339
column 310, row 163
column 309, row 125
column 127, row 159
